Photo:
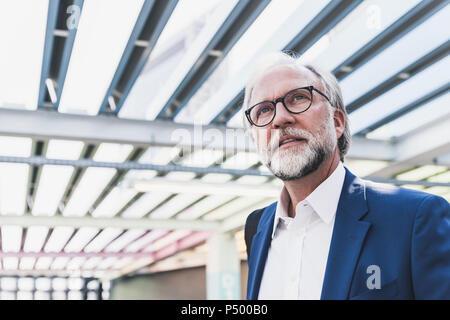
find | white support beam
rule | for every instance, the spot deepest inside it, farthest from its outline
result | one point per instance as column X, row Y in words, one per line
column 198, row 186
column 123, row 223
column 419, row 147
column 223, row 271
column 44, row 124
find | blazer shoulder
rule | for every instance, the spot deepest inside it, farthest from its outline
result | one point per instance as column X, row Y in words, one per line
column 399, row 199
column 251, row 226
column 388, row 193
column 255, row 215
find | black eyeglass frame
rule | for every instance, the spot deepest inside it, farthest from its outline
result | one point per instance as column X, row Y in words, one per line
column 281, row 99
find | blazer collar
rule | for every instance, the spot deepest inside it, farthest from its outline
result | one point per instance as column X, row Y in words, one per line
column 348, row 237
column 259, row 250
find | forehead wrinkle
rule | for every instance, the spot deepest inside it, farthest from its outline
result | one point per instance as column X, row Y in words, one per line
column 301, row 73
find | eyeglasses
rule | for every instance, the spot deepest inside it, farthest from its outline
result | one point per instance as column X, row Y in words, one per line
column 295, row 101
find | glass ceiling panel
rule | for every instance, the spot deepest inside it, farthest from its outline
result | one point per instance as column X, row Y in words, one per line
column 114, row 202
column 167, row 240
column 145, row 240
column 213, row 22
column 22, row 38
column 237, row 205
column 438, row 108
column 174, row 205
column 95, row 180
column 121, row 242
column 35, row 238
column 370, row 19
column 11, row 238
column 418, row 42
column 405, row 93
column 14, row 176
column 58, row 239
column 103, row 32
column 421, row 173
column 183, row 27
column 27, row 263
column 54, row 179
column 364, row 168
column 144, row 204
column 103, row 239
column 81, row 239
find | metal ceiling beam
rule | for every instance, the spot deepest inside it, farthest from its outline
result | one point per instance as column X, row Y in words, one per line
column 421, row 146
column 198, row 186
column 67, row 51
column 114, row 222
column 134, row 37
column 62, row 23
column 241, row 17
column 326, row 20
column 52, row 17
column 414, row 68
column 149, row 25
column 191, row 186
column 45, row 125
column 395, row 31
column 129, row 165
column 408, row 108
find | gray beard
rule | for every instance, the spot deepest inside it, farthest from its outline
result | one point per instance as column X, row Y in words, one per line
column 312, row 165
column 297, row 162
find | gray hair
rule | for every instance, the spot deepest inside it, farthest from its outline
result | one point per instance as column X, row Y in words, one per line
column 327, row 79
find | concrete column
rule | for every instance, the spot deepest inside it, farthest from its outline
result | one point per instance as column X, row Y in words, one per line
column 223, row 268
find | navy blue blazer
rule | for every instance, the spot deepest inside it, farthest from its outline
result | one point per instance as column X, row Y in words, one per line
column 405, row 233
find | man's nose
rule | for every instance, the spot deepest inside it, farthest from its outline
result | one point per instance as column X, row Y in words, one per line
column 283, row 117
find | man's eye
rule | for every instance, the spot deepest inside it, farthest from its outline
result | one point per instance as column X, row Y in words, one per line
column 263, row 110
column 299, row 97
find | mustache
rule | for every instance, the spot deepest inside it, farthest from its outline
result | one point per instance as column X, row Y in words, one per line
column 276, row 135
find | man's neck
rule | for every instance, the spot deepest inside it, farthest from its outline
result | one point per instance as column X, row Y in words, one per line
column 300, row 188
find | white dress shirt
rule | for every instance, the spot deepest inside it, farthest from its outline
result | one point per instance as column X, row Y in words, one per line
column 297, row 257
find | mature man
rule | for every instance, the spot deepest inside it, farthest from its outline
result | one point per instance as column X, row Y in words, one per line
column 332, row 235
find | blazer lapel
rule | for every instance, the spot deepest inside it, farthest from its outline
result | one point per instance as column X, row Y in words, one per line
column 258, row 254
column 347, row 240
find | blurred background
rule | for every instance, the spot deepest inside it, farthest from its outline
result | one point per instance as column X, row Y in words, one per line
column 100, row 198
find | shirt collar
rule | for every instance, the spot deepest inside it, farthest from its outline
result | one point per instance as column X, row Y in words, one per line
column 324, row 199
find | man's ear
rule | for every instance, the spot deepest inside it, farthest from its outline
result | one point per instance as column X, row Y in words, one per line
column 339, row 122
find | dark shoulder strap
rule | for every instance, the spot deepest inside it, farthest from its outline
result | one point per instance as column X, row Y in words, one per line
column 251, row 226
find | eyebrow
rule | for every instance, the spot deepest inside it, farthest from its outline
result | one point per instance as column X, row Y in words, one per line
column 269, row 99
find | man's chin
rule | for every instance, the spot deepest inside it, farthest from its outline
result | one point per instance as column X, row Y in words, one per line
column 285, row 170
column 295, row 164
